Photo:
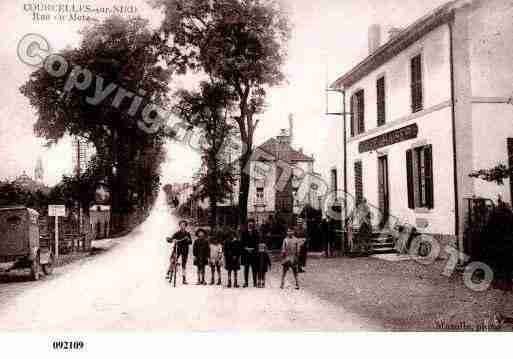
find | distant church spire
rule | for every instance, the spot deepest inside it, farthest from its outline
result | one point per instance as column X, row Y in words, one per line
column 39, row 172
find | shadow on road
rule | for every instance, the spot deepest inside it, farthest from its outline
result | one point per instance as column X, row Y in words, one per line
column 15, row 277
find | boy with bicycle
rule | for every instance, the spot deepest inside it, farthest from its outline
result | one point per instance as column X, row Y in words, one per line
column 182, row 240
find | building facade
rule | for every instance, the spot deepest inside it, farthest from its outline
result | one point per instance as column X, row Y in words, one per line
column 81, row 154
column 282, row 178
column 282, row 181
column 429, row 107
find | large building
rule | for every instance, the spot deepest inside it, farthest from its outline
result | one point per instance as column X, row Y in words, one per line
column 282, row 181
column 428, row 107
column 278, row 172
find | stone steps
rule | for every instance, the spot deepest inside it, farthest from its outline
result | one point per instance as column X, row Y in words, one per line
column 382, row 243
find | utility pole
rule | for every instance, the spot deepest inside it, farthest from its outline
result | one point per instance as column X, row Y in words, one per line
column 344, row 132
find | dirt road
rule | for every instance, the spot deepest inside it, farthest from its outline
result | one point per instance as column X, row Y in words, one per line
column 125, row 289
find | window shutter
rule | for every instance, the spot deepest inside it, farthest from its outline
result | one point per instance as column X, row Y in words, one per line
column 334, row 184
column 428, row 168
column 380, row 95
column 416, row 83
column 361, row 112
column 358, row 181
column 351, row 110
column 409, row 178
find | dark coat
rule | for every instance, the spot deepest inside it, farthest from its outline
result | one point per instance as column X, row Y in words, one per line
column 249, row 239
column 265, row 231
column 303, row 253
column 201, row 252
column 263, row 262
column 232, row 251
column 183, row 241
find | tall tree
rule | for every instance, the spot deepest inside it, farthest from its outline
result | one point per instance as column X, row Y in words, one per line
column 241, row 43
column 125, row 54
column 210, row 110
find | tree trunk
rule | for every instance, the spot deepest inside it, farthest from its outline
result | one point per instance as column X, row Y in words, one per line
column 119, row 181
column 212, row 182
column 212, row 221
column 244, row 188
column 113, row 185
column 246, row 133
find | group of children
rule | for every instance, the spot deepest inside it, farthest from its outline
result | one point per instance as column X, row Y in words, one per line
column 225, row 249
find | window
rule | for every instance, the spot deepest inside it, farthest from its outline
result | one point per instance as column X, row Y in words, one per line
column 416, row 83
column 380, row 95
column 419, row 171
column 334, row 184
column 357, row 109
column 259, row 184
column 260, row 193
column 358, row 182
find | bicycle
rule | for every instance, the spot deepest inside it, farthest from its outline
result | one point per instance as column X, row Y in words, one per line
column 174, row 260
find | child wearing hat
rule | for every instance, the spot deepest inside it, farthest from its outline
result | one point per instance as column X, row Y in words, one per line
column 201, row 253
column 232, row 251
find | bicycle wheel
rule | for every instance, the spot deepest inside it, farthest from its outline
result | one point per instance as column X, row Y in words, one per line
column 174, row 271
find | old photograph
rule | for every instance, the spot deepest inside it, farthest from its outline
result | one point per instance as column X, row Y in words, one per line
column 288, row 166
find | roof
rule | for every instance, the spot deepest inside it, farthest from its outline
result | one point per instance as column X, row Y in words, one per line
column 12, row 208
column 401, row 41
column 284, row 151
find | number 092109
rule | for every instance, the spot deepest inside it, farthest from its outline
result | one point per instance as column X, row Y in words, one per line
column 68, row 345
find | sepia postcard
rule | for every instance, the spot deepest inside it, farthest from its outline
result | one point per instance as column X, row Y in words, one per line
column 332, row 167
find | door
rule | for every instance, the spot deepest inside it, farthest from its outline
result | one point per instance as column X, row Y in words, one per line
column 509, row 142
column 383, row 190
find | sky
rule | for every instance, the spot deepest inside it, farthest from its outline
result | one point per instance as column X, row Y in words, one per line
column 329, row 37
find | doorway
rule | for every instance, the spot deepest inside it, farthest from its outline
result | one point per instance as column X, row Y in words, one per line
column 383, row 189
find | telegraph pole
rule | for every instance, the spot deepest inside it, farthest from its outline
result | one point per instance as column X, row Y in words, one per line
column 344, row 132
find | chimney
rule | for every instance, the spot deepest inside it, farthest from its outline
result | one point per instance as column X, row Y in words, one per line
column 374, row 37
column 393, row 32
column 283, row 137
column 291, row 128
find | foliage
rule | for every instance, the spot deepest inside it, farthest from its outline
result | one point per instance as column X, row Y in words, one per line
column 125, row 53
column 168, row 188
column 493, row 241
column 81, row 188
column 104, row 51
column 209, row 109
column 495, row 174
column 241, row 43
column 11, row 194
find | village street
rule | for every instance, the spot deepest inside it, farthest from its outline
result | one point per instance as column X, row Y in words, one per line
column 124, row 288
